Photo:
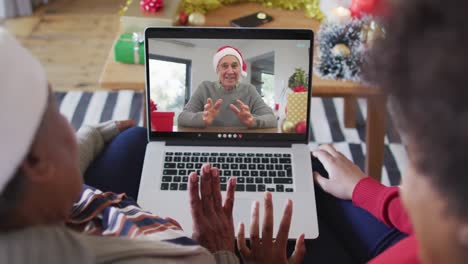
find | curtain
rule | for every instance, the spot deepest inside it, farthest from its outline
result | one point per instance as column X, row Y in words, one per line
column 14, row 8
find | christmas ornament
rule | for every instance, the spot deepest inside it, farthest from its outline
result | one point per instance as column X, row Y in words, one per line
column 360, row 8
column 287, row 126
column 327, row 6
column 196, row 19
column 339, row 15
column 183, row 18
column 151, row 6
column 340, row 50
column 301, row 127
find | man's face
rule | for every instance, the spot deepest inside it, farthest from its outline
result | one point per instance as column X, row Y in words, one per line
column 434, row 226
column 228, row 71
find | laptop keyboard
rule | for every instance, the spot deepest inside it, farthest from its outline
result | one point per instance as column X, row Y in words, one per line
column 255, row 172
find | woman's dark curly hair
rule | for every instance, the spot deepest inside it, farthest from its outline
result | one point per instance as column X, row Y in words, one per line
column 422, row 64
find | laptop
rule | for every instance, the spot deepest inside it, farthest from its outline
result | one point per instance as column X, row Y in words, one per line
column 184, row 67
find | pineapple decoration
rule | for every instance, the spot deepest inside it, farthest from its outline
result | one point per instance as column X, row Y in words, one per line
column 297, row 103
column 298, row 80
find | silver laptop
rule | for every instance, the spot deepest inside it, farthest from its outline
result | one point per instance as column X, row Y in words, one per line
column 261, row 129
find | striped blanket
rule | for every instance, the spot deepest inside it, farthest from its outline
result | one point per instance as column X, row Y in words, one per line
column 110, row 214
column 326, row 115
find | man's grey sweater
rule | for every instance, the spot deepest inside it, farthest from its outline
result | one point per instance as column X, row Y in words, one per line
column 192, row 115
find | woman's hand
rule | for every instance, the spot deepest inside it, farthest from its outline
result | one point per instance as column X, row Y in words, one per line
column 125, row 124
column 267, row 250
column 210, row 111
column 343, row 174
column 243, row 113
column 213, row 225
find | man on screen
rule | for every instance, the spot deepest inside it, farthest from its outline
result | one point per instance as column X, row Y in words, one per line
column 227, row 102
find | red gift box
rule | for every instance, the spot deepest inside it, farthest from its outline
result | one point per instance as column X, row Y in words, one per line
column 162, row 121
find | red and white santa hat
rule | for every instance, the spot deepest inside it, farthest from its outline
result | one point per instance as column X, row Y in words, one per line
column 229, row 50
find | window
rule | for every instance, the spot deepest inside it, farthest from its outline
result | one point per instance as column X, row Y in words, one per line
column 169, row 82
column 268, row 89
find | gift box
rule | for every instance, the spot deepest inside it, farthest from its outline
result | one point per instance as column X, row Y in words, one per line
column 162, row 121
column 129, row 48
column 133, row 19
column 297, row 107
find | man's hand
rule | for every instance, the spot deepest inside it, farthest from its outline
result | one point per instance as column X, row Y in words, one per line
column 125, row 124
column 343, row 174
column 213, row 225
column 267, row 250
column 243, row 113
column 210, row 111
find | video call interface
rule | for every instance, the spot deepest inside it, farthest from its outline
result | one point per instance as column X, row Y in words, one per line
column 228, row 87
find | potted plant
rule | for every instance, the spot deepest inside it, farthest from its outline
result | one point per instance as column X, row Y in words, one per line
column 298, row 80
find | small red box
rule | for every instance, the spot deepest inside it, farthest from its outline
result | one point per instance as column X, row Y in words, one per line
column 162, row 121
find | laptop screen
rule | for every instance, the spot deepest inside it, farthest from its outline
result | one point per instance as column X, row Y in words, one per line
column 228, row 85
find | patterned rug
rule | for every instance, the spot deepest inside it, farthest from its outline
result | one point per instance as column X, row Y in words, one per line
column 326, row 114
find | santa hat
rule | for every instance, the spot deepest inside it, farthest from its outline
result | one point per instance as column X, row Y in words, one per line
column 229, row 50
column 23, row 100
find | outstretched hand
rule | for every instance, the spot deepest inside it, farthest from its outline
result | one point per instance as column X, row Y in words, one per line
column 266, row 249
column 343, row 174
column 211, row 111
column 243, row 113
column 213, row 225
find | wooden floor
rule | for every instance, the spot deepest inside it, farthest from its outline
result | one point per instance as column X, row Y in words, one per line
column 71, row 38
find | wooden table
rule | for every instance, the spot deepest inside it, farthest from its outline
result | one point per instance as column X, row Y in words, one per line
column 126, row 76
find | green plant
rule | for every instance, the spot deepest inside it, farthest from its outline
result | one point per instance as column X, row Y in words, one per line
column 298, row 78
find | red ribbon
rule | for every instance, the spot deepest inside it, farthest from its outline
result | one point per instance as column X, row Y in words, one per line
column 299, row 89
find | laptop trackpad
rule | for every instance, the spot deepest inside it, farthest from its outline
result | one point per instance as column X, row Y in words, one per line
column 243, row 209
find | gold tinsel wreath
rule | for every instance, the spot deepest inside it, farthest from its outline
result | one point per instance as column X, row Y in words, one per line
column 311, row 7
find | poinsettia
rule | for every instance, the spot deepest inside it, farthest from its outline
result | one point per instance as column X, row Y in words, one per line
column 153, row 106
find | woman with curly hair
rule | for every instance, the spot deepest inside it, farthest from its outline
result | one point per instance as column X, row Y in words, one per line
column 421, row 65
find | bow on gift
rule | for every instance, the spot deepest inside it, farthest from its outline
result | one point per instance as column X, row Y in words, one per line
column 153, row 106
column 299, row 89
column 151, row 5
column 137, row 38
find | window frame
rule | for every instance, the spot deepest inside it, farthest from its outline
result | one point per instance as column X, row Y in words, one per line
column 188, row 71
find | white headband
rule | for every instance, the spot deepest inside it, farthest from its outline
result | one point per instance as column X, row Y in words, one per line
column 23, row 99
